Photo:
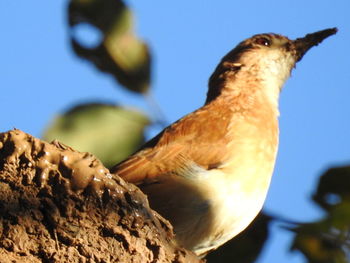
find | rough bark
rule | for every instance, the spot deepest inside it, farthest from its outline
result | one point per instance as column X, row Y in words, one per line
column 60, row 205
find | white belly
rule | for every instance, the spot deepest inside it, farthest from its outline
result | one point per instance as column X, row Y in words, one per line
column 234, row 205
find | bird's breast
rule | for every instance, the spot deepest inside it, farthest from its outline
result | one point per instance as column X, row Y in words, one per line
column 233, row 193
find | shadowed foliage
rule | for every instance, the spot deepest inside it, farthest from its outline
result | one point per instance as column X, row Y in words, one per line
column 328, row 240
column 120, row 52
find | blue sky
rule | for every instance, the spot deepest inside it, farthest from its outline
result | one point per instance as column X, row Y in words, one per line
column 40, row 77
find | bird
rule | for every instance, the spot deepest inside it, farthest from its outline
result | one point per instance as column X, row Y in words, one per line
column 209, row 172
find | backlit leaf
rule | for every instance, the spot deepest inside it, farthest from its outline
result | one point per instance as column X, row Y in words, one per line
column 107, row 131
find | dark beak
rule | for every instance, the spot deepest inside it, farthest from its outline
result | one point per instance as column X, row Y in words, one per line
column 302, row 45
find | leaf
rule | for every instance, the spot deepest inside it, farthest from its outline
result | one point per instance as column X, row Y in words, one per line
column 333, row 187
column 120, row 52
column 245, row 247
column 328, row 240
column 107, row 131
column 320, row 242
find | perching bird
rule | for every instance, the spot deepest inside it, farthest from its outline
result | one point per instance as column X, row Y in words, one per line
column 209, row 172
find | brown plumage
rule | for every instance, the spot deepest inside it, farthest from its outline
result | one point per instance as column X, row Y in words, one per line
column 209, row 172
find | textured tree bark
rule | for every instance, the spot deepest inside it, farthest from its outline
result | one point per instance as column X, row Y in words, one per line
column 60, row 205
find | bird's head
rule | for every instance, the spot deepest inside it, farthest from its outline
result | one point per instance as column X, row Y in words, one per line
column 263, row 58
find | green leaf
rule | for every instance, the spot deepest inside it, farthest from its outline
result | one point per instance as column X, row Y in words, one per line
column 321, row 242
column 109, row 132
column 328, row 240
column 120, row 53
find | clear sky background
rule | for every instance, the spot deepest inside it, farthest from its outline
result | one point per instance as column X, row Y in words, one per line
column 40, row 77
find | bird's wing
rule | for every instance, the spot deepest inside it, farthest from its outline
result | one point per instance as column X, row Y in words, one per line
column 195, row 140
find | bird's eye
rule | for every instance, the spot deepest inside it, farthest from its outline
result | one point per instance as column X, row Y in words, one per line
column 263, row 41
